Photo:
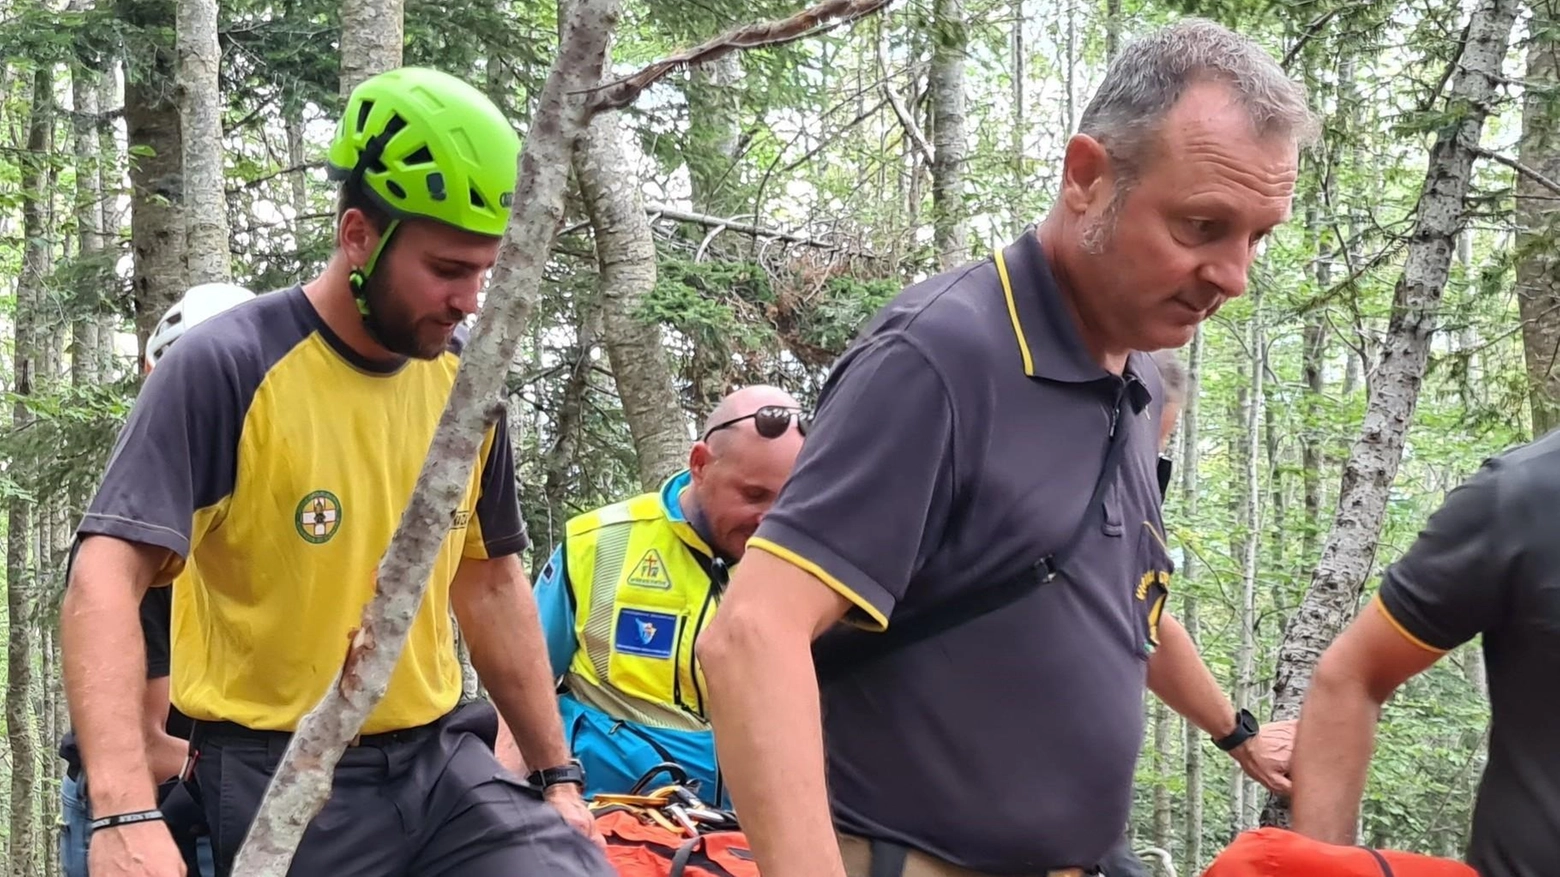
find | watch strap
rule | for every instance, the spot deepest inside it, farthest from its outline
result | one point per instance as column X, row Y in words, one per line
column 1246, row 727
column 563, row 774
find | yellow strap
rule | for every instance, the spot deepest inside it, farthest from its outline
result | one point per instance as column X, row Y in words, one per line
column 1018, row 330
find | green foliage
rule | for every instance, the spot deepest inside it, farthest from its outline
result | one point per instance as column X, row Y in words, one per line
column 803, row 141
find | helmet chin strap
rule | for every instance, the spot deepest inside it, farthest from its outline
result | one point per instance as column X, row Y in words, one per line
column 358, row 279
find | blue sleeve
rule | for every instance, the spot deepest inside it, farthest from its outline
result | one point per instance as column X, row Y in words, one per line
column 556, row 611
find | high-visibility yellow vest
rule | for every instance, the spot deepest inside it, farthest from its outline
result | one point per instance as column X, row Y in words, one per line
column 640, row 580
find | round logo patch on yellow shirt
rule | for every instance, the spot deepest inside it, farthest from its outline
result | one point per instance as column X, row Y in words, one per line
column 318, row 516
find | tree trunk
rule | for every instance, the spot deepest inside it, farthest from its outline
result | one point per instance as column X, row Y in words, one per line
column 950, row 40
column 1538, row 266
column 1112, row 28
column 1069, row 66
column 1163, row 822
column 371, row 38
column 200, row 116
column 1251, row 514
column 714, row 102
column 1313, row 353
column 87, row 363
column 1188, row 572
column 21, row 726
column 156, row 164
column 1278, row 504
column 299, row 182
column 1393, row 392
column 1018, row 123
column 625, row 257
column 110, row 175
column 561, row 457
column 302, row 781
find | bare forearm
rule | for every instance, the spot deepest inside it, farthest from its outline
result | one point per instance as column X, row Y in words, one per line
column 769, row 742
column 165, row 752
column 508, row 751
column 105, row 675
column 498, row 618
column 1332, row 755
column 1178, row 676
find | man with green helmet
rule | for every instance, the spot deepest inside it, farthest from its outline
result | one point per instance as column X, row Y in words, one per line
column 264, row 470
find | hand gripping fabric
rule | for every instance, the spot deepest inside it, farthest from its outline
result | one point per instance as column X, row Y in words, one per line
column 424, row 144
column 1274, row 852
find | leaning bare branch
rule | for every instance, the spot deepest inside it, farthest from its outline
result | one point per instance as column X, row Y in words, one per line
column 824, row 16
column 1519, row 167
column 720, row 224
column 912, row 130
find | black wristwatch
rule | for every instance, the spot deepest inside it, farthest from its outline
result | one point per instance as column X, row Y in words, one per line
column 1245, row 728
column 563, row 774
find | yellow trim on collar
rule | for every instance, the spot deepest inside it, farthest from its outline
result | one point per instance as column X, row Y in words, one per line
column 1012, row 306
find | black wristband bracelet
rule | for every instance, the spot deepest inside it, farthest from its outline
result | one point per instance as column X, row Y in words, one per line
column 126, row 819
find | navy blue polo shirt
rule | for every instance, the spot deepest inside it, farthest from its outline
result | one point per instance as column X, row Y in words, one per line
column 955, row 443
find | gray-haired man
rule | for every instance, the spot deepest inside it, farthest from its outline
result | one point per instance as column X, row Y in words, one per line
column 993, row 432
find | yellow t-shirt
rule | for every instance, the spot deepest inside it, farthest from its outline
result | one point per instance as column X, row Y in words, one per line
column 275, row 464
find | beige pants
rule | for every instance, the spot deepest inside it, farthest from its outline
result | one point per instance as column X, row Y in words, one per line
column 857, row 853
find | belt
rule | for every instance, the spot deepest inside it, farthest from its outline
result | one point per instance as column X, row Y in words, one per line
column 233, row 731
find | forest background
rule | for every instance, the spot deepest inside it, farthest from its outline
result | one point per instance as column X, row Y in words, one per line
column 742, row 219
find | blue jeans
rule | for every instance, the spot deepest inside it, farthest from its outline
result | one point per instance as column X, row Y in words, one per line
column 75, row 833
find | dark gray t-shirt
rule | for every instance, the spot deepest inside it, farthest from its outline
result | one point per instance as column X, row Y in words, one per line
column 956, row 443
column 1488, row 562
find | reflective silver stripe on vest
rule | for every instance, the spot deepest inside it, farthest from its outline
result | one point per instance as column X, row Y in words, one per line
column 611, row 549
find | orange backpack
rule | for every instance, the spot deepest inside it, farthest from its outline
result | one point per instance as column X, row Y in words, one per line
column 669, row 832
column 1274, row 852
column 637, row 848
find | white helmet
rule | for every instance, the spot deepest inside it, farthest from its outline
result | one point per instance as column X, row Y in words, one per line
column 199, row 304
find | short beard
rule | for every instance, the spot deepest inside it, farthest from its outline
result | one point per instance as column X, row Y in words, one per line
column 389, row 328
column 1096, row 236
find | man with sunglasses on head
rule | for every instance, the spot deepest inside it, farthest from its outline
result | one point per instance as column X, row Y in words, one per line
column 628, row 592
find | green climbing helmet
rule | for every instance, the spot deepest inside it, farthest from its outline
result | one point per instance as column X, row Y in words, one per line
column 424, row 144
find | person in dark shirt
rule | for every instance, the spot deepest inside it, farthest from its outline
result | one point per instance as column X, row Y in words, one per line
column 991, row 435
column 1486, row 564
column 168, row 730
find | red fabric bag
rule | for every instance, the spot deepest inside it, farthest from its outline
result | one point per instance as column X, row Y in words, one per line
column 637, row 848
column 1274, row 852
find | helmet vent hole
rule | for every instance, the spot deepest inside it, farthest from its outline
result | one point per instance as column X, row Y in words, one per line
column 393, row 127
column 476, row 200
column 420, row 157
column 395, row 189
column 436, row 188
column 364, row 109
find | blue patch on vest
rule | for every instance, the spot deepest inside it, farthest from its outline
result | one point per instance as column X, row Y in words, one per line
column 646, row 634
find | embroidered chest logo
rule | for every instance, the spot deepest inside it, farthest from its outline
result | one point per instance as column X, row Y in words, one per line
column 318, row 517
column 650, row 572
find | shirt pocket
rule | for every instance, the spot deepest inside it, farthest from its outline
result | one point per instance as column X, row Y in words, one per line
column 1151, row 588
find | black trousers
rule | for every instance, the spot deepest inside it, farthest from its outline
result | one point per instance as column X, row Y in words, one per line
column 432, row 804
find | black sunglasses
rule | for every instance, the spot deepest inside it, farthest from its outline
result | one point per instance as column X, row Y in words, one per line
column 771, row 421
